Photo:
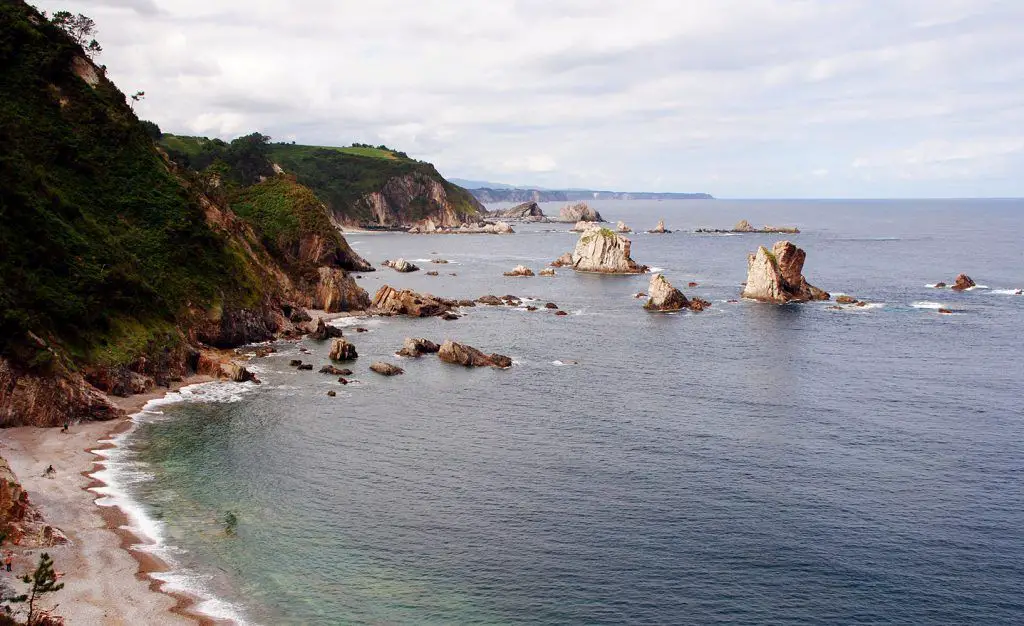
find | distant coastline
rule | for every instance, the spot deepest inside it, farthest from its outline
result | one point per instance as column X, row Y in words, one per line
column 489, row 195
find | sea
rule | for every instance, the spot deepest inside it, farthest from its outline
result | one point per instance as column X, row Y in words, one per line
column 748, row 464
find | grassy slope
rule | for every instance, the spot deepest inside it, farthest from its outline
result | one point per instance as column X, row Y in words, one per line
column 101, row 247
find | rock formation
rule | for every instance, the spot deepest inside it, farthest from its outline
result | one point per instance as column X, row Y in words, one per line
column 490, row 300
column 665, row 297
column 602, row 251
column 621, row 227
column 342, row 350
column 520, row 270
column 324, row 331
column 743, row 226
column 390, row 301
column 775, row 276
column 578, row 212
column 416, row 347
column 469, row 356
column 659, row 229
column 527, row 212
column 428, row 227
column 401, row 265
column 547, row 271
column 237, row 373
column 386, row 369
column 563, row 261
column 335, row 371
column 962, row 283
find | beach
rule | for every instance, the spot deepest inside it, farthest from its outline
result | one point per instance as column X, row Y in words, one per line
column 105, row 581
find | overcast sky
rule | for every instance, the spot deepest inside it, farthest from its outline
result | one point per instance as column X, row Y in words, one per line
column 738, row 98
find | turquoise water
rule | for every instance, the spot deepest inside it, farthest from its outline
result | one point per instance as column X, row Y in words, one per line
column 748, row 464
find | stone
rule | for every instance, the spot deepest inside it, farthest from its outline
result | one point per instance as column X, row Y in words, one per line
column 401, row 265
column 449, row 317
column 237, row 373
column 342, row 350
column 520, row 270
column 743, row 226
column 945, row 311
column 775, row 276
column 416, row 347
column 563, row 261
column 578, row 212
column 390, row 301
column 605, row 252
column 334, row 371
column 439, row 261
column 551, row 305
column 360, row 329
column 531, row 308
column 527, row 212
column 659, row 229
column 263, row 351
column 940, row 285
column 386, row 369
column 299, row 315
column 306, row 367
column 335, row 291
column 431, row 274
column 491, row 300
column 621, row 227
column 665, row 297
column 639, row 295
column 963, row 282
column 295, row 362
column 324, row 331
column 561, row 313
column 468, row 356
column 343, row 380
column 845, row 299
column 692, row 284
column 332, row 394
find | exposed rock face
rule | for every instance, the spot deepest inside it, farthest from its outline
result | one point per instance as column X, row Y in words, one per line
column 342, row 350
column 527, row 211
column 416, row 347
column 583, row 226
column 324, row 331
column 962, row 283
column 491, row 300
column 237, row 373
column 401, row 265
column 665, row 297
column 621, row 227
column 579, row 212
column 337, row 291
column 547, row 271
column 775, row 276
column 386, row 369
column 605, row 252
column 31, row 399
column 14, row 504
column 520, row 270
column 563, row 261
column 659, row 229
column 469, row 356
column 389, row 301
column 405, row 199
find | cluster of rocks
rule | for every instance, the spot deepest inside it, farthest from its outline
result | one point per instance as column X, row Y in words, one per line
column 847, row 300
column 603, row 251
column 515, row 301
column 390, row 302
column 659, row 229
column 520, row 270
column 401, row 265
column 664, row 297
column 743, row 226
column 775, row 276
column 578, row 212
column 525, row 212
column 429, row 227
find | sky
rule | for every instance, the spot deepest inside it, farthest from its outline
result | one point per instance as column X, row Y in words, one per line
column 737, row 98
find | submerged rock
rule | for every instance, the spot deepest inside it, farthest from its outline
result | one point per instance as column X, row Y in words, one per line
column 416, row 347
column 775, row 276
column 561, row 313
column 962, row 283
column 468, row 356
column 579, row 212
column 520, row 270
column 604, row 251
column 342, row 350
column 390, row 301
column 386, row 369
column 845, row 299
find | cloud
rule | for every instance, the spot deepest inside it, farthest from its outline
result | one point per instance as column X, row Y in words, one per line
column 734, row 97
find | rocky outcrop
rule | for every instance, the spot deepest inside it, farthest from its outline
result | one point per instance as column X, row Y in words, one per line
column 547, row 271
column 621, row 227
column 429, row 227
column 335, row 371
column 602, row 251
column 468, row 356
column 520, row 270
column 406, row 199
column 583, row 226
column 417, row 346
column 14, row 505
column 743, row 226
column 963, row 282
column 236, row 372
column 563, row 261
column 336, row 291
column 324, row 331
column 386, row 369
column 665, row 297
column 578, row 212
column 490, row 300
column 342, row 350
column 659, row 229
column 775, row 276
column 35, row 399
column 390, row 301
column 526, row 212
column 401, row 265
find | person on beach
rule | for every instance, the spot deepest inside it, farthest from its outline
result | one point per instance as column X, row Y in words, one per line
column 50, row 472
column 65, row 428
column 8, row 559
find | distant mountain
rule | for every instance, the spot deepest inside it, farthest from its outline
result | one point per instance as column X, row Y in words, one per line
column 491, row 194
column 479, row 184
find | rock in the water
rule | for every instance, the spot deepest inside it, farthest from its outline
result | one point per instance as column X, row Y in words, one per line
column 563, row 261
column 417, row 346
column 743, row 226
column 527, row 211
column 940, row 285
column 621, row 227
column 334, row 371
column 401, row 265
column 551, row 305
column 660, row 228
column 449, row 317
column 962, row 283
column 342, row 350
column 237, row 373
column 579, row 212
column 775, row 276
column 692, row 284
column 547, row 271
column 531, row 308
column 561, row 313
column 845, row 299
column 343, row 380
column 604, row 251
column 306, row 367
column 520, row 270
column 386, row 369
column 324, row 331
column 439, row 261
column 431, row 273
column 583, row 226
column 665, row 297
column 390, row 301
column 459, row 354
column 491, row 300
column 698, row 304
column 639, row 295
column 945, row 311
column 295, row 362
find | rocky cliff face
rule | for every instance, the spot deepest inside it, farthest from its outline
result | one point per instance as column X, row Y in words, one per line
column 775, row 276
column 14, row 504
column 605, row 252
column 405, row 200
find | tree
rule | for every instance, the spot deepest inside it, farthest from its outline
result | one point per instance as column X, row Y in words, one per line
column 137, row 97
column 41, row 581
column 152, row 129
column 80, row 28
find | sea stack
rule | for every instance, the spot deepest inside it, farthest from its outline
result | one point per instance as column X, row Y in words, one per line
column 605, row 252
column 665, row 297
column 621, row 227
column 775, row 276
column 659, row 229
column 579, row 212
column 963, row 282
column 527, row 211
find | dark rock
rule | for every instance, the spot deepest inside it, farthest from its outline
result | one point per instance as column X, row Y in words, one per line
column 468, row 356
column 342, row 350
column 306, row 367
column 940, row 285
column 963, row 282
column 449, row 317
column 416, row 347
column 431, row 273
column 332, row 394
column 386, row 369
column 491, row 300
column 844, row 299
column 335, row 371
column 560, row 313
column 299, row 315
column 343, row 381
column 295, row 362
column 550, row 305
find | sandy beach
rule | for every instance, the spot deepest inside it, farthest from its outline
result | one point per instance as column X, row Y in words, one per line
column 105, row 582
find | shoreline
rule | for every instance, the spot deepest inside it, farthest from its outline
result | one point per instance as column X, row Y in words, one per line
column 107, row 580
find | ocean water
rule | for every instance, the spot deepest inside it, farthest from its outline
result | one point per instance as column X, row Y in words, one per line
column 749, row 464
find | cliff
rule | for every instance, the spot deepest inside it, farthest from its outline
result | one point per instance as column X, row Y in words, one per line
column 116, row 266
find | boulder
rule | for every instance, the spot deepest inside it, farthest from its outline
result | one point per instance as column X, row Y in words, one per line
column 342, row 350
column 468, row 356
column 323, row 331
column 439, row 261
column 621, row 227
column 692, row 284
column 743, row 226
column 401, row 265
column 390, row 301
column 697, row 304
column 579, row 212
column 491, row 300
column 665, row 297
column 306, row 367
column 334, row 371
column 962, row 283
column 295, row 362
column 845, row 299
column 659, row 229
column 551, row 305
column 563, row 261
column 449, row 317
column 583, row 226
column 520, row 270
column 386, row 369
column 527, row 211
column 775, row 276
column 237, row 373
column 547, row 271
column 561, row 313
column 299, row 315
column 343, row 380
column 416, row 347
column 940, row 285
column 332, row 394
column 606, row 252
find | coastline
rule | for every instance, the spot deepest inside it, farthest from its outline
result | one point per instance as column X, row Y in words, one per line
column 106, row 580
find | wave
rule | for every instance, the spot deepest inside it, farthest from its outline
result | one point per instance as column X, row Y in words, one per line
column 1007, row 292
column 976, row 287
column 934, row 286
column 655, row 270
column 929, row 305
column 121, row 471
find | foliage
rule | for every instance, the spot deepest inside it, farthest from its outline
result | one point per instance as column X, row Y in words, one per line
column 243, row 161
column 80, row 28
column 41, row 582
column 151, row 129
column 230, row 524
